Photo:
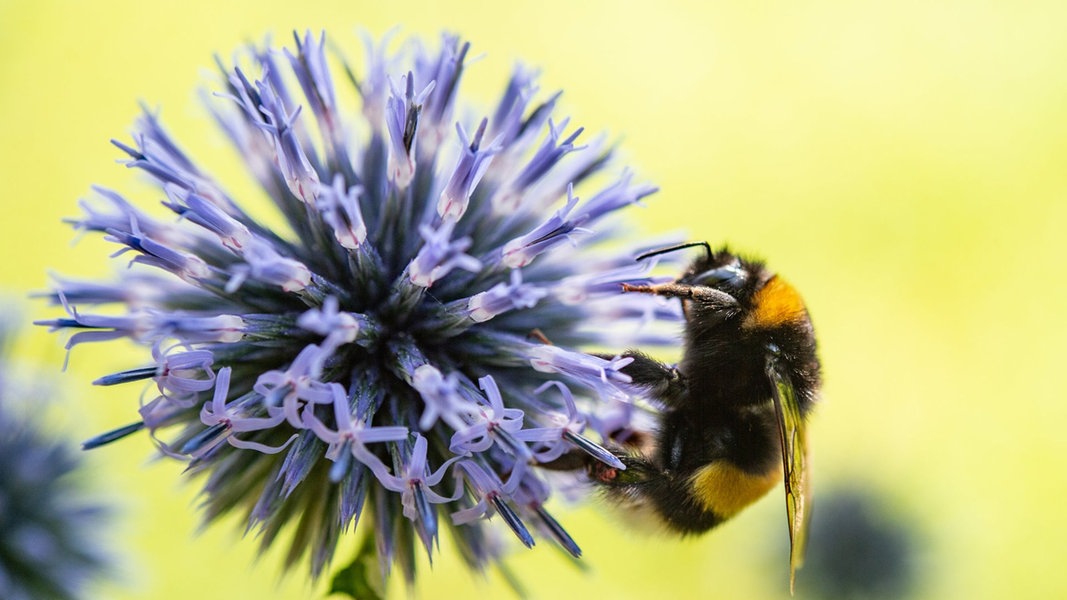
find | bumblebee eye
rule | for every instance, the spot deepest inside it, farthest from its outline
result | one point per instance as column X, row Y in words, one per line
column 731, row 276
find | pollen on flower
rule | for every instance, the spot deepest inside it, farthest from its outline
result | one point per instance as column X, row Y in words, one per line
column 374, row 352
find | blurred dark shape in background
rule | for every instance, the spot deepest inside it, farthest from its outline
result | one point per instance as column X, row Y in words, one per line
column 858, row 548
column 53, row 532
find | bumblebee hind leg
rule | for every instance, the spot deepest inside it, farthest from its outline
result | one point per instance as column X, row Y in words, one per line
column 639, row 471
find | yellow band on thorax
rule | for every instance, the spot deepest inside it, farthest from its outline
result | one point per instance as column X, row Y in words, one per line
column 776, row 303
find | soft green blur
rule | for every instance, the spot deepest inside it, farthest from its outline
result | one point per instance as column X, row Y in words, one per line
column 902, row 163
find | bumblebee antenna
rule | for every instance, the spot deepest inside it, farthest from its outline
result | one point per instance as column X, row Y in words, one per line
column 674, row 248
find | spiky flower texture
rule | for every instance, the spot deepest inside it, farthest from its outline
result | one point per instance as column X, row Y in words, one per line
column 374, row 359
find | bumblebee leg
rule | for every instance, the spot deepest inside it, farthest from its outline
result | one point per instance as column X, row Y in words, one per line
column 639, row 471
column 663, row 382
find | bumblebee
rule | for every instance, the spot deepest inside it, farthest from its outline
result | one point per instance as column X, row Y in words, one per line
column 733, row 410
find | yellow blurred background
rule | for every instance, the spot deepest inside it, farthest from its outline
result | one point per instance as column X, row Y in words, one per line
column 902, row 163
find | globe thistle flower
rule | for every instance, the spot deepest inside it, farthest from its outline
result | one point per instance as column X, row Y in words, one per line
column 50, row 529
column 375, row 359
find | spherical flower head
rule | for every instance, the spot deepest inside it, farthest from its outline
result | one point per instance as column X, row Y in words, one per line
column 409, row 345
column 50, row 528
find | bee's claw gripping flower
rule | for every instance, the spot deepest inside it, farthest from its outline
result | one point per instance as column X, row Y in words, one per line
column 373, row 353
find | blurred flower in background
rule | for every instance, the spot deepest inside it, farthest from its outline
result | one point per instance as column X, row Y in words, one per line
column 51, row 530
column 362, row 347
column 857, row 548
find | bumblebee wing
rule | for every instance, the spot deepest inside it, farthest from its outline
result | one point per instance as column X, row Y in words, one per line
column 794, row 462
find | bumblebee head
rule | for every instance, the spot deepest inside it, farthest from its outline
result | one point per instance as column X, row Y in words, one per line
column 721, row 287
column 720, row 270
column 727, row 272
column 766, row 300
